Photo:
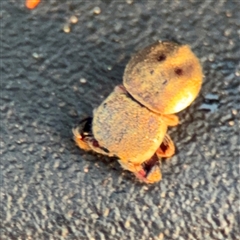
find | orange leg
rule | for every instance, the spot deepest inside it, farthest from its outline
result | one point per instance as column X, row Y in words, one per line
column 80, row 141
column 167, row 148
column 84, row 138
column 82, row 134
column 148, row 172
column 171, row 120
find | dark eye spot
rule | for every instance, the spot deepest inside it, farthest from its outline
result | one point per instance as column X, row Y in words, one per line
column 164, row 83
column 151, row 72
column 161, row 57
column 179, row 71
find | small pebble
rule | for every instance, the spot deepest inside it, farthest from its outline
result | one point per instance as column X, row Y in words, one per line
column 64, row 232
column 211, row 57
column 234, row 111
column 129, row 1
column 160, row 236
column 73, row 19
column 226, row 117
column 127, row 224
column 106, row 212
column 228, row 13
column 83, row 80
column 66, row 28
column 75, row 88
column 62, row 104
column 230, row 77
column 163, row 194
column 209, row 107
column 211, row 96
column 171, row 194
column 72, row 113
column 97, row 10
column 35, row 55
column 227, row 32
column 86, row 170
column 195, row 184
column 231, row 123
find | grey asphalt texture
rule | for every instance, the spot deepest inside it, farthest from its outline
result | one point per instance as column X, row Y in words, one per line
column 50, row 189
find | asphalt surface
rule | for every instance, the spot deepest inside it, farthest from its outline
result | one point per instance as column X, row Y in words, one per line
column 50, row 79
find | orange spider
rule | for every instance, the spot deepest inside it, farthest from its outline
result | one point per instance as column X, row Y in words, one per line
column 131, row 123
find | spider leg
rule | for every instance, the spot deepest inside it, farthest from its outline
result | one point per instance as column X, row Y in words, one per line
column 148, row 172
column 167, row 148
